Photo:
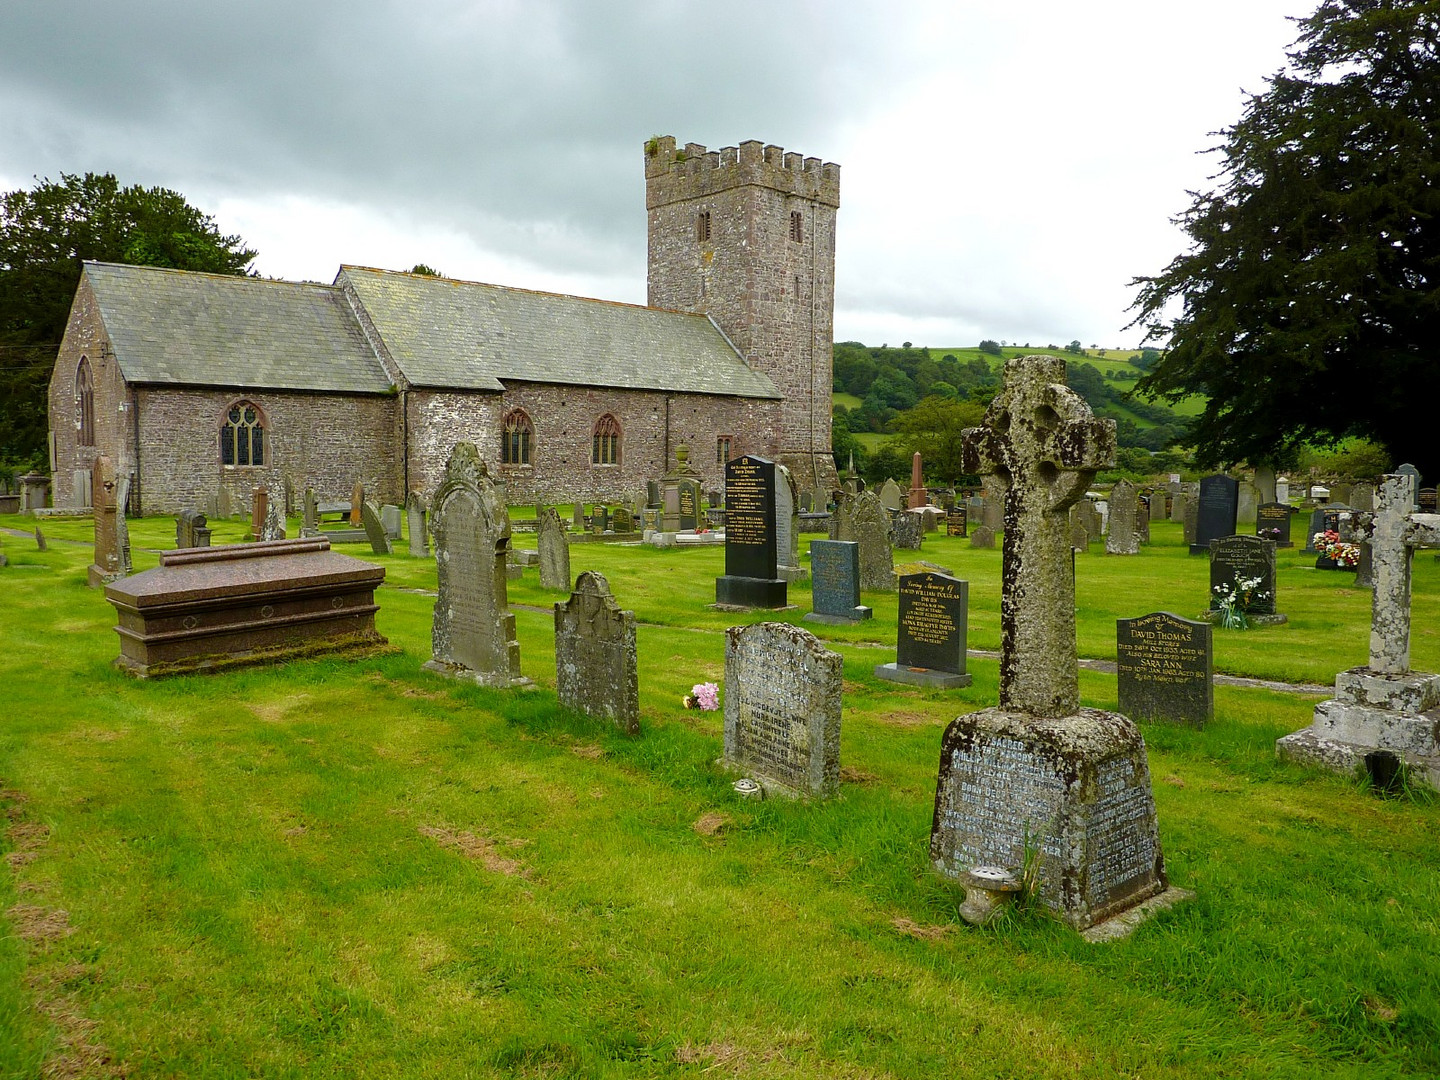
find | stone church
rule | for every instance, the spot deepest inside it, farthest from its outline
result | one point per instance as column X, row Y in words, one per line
column 197, row 384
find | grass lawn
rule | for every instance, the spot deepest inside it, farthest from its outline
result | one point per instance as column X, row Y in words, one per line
column 352, row 868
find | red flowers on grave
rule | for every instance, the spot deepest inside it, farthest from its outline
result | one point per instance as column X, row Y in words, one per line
column 1330, row 546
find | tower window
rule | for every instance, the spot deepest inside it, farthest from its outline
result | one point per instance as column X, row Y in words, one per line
column 242, row 436
column 517, row 438
column 722, row 450
column 85, row 403
column 797, row 226
column 702, row 226
column 606, row 448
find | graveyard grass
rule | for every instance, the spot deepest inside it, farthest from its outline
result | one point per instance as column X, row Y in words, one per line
column 351, row 868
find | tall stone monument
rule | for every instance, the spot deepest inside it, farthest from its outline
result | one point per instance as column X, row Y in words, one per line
column 474, row 629
column 595, row 666
column 1040, row 774
column 916, row 497
column 111, row 560
column 750, row 579
column 1382, row 709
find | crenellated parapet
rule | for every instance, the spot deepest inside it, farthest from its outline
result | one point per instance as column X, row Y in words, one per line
column 673, row 174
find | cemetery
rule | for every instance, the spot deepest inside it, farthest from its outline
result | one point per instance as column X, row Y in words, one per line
column 961, row 810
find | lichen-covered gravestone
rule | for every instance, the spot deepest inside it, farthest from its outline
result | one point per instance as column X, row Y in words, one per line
column 782, row 708
column 1383, row 709
column 787, row 527
column 415, row 525
column 1123, row 538
column 595, row 668
column 273, row 527
column 474, row 631
column 871, row 522
column 554, row 550
column 375, row 529
column 110, row 560
column 1039, row 776
column 908, row 530
column 982, row 536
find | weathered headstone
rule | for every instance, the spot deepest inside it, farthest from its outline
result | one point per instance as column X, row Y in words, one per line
column 222, row 502
column 907, row 529
column 40, row 539
column 186, row 526
column 1178, row 504
column 1272, row 522
column 1124, row 504
column 982, row 536
column 1409, row 470
column 890, row 495
column 357, row 504
column 390, row 521
column 750, row 578
column 1282, row 490
column 1383, row 707
column 474, row 630
column 956, row 522
column 310, row 514
column 1362, row 497
column 835, row 583
column 554, row 550
column 1218, row 508
column 842, row 518
column 1142, row 519
column 578, row 519
column 1079, row 535
column 1247, row 502
column 931, row 637
column 782, row 708
column 1163, row 669
column 595, row 666
column 375, row 530
column 1039, row 775
column 652, row 495
column 415, row 525
column 273, row 527
column 259, row 509
column 1191, row 524
column 871, row 522
column 787, row 528
column 1340, row 491
column 1245, row 558
column 110, row 558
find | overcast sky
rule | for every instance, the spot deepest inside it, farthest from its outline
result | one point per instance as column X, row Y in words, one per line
column 1006, row 168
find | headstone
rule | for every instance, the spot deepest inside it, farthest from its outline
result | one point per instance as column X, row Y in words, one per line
column 931, row 637
column 599, row 519
column 623, row 520
column 650, row 519
column 955, row 522
column 688, row 494
column 474, row 630
column 782, row 708
column 1191, row 524
column 890, row 495
column 374, row 530
column 222, row 502
column 750, row 579
column 1282, row 490
column 1163, row 667
column 83, row 489
column 930, row 517
column 1245, row 558
column 787, row 528
column 310, row 516
column 1320, row 493
column 1178, row 505
column 992, row 512
column 916, row 497
column 835, row 583
column 1219, row 504
column 871, row 522
column 34, row 489
column 1247, row 502
column 259, row 508
column 982, row 536
column 1317, row 525
column 1122, row 538
column 273, row 527
column 108, row 564
column 579, row 517
column 1414, row 473
column 1272, row 522
column 1340, row 492
column 1142, row 519
column 415, row 525
column 1040, row 774
column 1079, row 535
column 390, row 521
column 1427, row 500
column 186, row 527
column 595, row 667
column 1329, row 521
column 1384, row 707
column 842, row 518
column 1365, row 568
column 908, row 530
column 357, row 504
column 652, row 495
column 1362, row 497
column 554, row 550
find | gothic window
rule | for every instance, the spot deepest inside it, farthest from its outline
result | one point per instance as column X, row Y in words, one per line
column 242, row 436
column 702, row 226
column 797, row 230
column 85, row 402
column 606, row 449
column 722, row 450
column 517, row 439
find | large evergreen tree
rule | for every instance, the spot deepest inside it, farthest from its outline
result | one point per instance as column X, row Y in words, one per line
column 1308, row 305
column 45, row 235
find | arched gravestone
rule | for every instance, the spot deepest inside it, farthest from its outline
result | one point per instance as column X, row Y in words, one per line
column 595, row 668
column 554, row 550
column 415, row 525
column 1039, row 773
column 1217, row 511
column 871, row 522
column 1237, row 558
column 1123, row 537
column 474, row 631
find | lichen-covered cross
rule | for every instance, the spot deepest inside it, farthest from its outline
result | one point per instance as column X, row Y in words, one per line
column 1394, row 532
column 1042, row 446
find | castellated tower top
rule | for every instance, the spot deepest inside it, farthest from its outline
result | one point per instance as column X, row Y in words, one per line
column 673, row 175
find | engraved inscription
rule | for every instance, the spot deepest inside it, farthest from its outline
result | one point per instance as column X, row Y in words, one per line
column 1122, row 846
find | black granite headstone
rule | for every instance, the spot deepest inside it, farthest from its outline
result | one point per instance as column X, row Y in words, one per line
column 1427, row 500
column 955, row 521
column 1163, row 669
column 750, row 542
column 689, row 491
column 1233, row 558
column 652, row 494
column 930, row 643
column 1219, row 506
column 1272, row 522
column 835, row 582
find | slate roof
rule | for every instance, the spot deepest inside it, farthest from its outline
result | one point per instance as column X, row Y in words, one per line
column 465, row 335
column 181, row 327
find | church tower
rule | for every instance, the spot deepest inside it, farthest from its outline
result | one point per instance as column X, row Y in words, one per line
column 747, row 235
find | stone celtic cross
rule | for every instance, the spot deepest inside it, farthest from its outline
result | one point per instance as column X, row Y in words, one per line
column 1394, row 533
column 1041, row 446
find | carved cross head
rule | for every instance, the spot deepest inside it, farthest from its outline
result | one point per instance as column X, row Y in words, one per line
column 1040, row 440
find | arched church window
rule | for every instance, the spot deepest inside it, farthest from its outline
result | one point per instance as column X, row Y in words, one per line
column 242, row 436
column 85, row 402
column 517, row 438
column 606, row 449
